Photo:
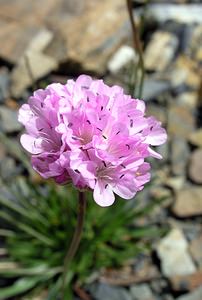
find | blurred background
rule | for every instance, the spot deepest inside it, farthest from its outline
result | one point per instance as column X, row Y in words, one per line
column 146, row 249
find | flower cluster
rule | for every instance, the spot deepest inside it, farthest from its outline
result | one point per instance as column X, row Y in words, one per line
column 91, row 134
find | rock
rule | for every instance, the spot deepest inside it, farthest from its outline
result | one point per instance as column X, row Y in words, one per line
column 2, row 151
column 167, row 297
column 195, row 250
column 104, row 291
column 195, row 295
column 186, row 282
column 152, row 88
column 141, row 292
column 159, row 285
column 8, row 168
column 8, row 120
column 187, row 13
column 31, row 67
column 173, row 253
column 159, row 192
column 183, row 32
column 37, row 18
column 156, row 111
column 195, row 166
column 33, row 64
column 4, row 84
column 195, row 138
column 191, row 230
column 181, row 121
column 188, row 202
column 179, row 155
column 12, row 50
column 199, row 55
column 86, row 32
column 93, row 37
column 164, row 151
column 185, row 73
column 189, row 99
column 196, row 42
column 121, row 57
column 175, row 183
column 143, row 270
column 160, row 51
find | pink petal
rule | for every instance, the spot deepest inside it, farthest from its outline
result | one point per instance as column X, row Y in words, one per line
column 103, row 194
column 31, row 144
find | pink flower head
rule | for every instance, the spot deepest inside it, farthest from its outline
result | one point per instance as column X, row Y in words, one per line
column 93, row 135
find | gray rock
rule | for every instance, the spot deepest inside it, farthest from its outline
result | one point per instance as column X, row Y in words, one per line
column 173, row 253
column 195, row 295
column 179, row 155
column 8, row 120
column 102, row 291
column 185, row 13
column 152, row 88
column 164, row 151
column 4, row 84
column 168, row 297
column 141, row 292
column 159, row 285
column 8, row 168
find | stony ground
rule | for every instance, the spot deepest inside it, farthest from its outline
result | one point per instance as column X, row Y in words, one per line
column 53, row 43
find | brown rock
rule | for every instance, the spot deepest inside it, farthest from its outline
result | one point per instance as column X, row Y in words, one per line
column 195, row 138
column 195, row 166
column 186, row 283
column 185, row 72
column 145, row 271
column 175, row 183
column 86, row 32
column 160, row 51
column 196, row 251
column 189, row 99
column 188, row 202
column 93, row 37
column 12, row 49
column 196, row 42
column 31, row 67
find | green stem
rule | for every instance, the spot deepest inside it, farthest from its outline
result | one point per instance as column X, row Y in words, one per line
column 75, row 240
column 137, row 45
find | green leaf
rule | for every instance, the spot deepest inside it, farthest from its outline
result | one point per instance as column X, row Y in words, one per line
column 20, row 286
column 26, row 228
column 25, row 213
column 10, row 269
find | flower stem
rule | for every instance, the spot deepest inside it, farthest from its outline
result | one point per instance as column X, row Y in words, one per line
column 75, row 240
column 137, row 45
